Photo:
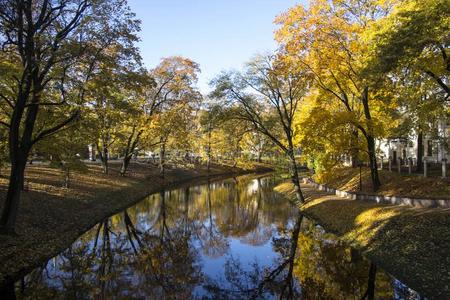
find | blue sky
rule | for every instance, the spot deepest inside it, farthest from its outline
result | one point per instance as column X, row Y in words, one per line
column 217, row 34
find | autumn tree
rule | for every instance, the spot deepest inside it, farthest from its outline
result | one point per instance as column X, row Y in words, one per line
column 172, row 129
column 216, row 135
column 114, row 96
column 221, row 135
column 46, row 45
column 268, row 93
column 325, row 135
column 230, row 136
column 421, row 106
column 174, row 81
column 66, row 148
column 326, row 38
column 411, row 44
column 415, row 36
column 255, row 143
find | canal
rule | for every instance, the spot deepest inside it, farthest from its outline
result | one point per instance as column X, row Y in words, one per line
column 227, row 239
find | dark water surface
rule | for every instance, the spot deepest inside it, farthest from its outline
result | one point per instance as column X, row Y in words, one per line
column 229, row 239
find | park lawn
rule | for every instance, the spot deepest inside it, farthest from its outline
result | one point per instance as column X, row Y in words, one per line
column 51, row 216
column 393, row 184
column 410, row 243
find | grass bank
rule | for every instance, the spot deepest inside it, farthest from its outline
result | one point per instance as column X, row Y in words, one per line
column 410, row 243
column 51, row 216
column 393, row 184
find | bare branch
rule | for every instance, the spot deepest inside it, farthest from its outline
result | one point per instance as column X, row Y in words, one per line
column 56, row 128
column 9, row 102
column 5, row 124
column 439, row 82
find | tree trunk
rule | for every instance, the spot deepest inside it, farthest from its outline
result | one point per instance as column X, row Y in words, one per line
column 105, row 159
column 208, row 153
column 11, row 207
column 295, row 178
column 19, row 149
column 103, row 155
column 131, row 146
column 92, row 154
column 373, row 163
column 355, row 148
column 419, row 168
column 162, row 153
column 370, row 142
column 370, row 292
column 66, row 177
column 125, row 164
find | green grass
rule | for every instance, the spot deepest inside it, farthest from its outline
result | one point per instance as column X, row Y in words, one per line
column 410, row 243
column 393, row 184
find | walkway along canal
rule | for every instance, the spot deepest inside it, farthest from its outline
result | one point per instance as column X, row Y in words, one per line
column 233, row 238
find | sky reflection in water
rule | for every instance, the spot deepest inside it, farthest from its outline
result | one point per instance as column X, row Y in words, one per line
column 231, row 239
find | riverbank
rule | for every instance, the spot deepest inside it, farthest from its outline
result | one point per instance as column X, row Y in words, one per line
column 410, row 243
column 51, row 216
column 393, row 183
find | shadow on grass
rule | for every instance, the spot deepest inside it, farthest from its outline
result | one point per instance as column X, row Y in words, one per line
column 410, row 243
column 393, row 184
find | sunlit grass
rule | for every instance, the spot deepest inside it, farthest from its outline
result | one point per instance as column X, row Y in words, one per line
column 410, row 243
column 393, row 184
column 286, row 188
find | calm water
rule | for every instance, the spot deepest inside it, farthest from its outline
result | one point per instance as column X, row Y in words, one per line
column 231, row 239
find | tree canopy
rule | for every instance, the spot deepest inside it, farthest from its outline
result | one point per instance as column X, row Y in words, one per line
column 347, row 75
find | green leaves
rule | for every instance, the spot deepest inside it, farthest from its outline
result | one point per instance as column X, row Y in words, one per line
column 413, row 43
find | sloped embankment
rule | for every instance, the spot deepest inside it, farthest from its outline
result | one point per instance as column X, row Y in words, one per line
column 410, row 243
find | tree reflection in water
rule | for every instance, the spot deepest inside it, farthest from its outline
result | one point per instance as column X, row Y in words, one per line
column 233, row 239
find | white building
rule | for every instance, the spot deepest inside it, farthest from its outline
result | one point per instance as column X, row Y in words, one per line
column 403, row 148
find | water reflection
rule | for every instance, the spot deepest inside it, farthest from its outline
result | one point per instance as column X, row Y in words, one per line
column 233, row 239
